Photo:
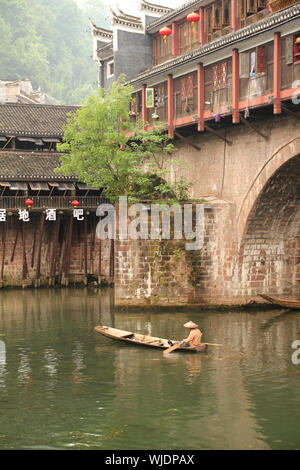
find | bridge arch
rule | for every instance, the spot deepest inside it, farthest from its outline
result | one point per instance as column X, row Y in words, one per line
column 270, row 242
column 274, row 163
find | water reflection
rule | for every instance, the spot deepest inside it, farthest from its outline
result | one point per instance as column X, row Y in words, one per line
column 64, row 386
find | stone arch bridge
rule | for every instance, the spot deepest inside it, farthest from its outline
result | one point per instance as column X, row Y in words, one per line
column 249, row 177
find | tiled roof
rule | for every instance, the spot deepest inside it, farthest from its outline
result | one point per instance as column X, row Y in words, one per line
column 30, row 166
column 37, row 120
column 266, row 24
column 173, row 13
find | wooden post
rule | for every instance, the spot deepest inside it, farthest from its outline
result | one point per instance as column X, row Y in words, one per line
column 68, row 251
column 171, row 105
column 175, row 40
column 111, row 260
column 54, row 253
column 99, row 262
column 25, row 268
column 3, row 251
column 85, row 250
column 200, row 80
column 144, row 109
column 38, row 267
column 276, row 72
column 234, row 20
column 15, row 244
column 202, row 34
column 33, row 248
column 235, row 86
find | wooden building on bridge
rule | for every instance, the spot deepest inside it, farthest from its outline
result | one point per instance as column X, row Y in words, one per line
column 223, row 76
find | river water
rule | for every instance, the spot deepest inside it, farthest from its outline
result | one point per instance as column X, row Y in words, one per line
column 63, row 386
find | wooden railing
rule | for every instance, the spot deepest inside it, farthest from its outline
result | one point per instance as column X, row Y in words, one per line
column 51, row 202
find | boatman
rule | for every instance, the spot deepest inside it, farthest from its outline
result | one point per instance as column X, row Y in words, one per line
column 194, row 338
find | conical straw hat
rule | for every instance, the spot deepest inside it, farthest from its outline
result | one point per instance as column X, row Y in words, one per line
column 190, row 324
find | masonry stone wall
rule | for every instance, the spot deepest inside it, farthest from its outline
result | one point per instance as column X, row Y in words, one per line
column 252, row 229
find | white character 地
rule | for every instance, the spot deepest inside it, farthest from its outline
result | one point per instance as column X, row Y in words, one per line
column 24, row 215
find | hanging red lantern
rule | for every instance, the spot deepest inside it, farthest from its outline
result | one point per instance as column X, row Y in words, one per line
column 75, row 203
column 165, row 32
column 29, row 203
column 193, row 18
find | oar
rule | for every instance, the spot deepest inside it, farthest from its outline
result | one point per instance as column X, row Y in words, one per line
column 175, row 346
column 211, row 344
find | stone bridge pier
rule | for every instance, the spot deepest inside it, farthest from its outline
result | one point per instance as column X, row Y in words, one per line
column 251, row 185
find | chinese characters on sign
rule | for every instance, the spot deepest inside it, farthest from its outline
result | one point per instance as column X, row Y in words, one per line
column 50, row 214
column 2, row 215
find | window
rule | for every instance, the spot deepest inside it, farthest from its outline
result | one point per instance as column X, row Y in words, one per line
column 217, row 18
column 110, row 69
column 162, row 49
column 249, row 8
column 188, row 37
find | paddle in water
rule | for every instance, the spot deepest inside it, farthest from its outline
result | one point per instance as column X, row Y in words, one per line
column 172, row 348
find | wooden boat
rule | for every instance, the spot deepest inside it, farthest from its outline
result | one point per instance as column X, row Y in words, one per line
column 282, row 302
column 145, row 340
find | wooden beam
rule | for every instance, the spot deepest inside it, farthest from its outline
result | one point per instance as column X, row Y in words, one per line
column 202, row 34
column 171, row 105
column 186, row 141
column 235, row 86
column 200, row 97
column 25, row 268
column 253, row 127
column 112, row 260
column 6, row 143
column 276, row 73
column 234, row 20
column 99, row 262
column 144, row 109
column 54, row 252
column 15, row 244
column 175, row 39
column 3, row 252
column 85, row 250
column 38, row 267
column 217, row 134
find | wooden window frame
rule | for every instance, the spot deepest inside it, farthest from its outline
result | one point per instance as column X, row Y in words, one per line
column 162, row 48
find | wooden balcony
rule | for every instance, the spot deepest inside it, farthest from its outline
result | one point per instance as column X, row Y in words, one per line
column 51, row 202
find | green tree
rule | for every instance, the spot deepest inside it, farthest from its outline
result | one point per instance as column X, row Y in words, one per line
column 106, row 150
column 49, row 42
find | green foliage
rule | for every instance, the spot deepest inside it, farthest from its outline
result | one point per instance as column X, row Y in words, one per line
column 48, row 41
column 100, row 152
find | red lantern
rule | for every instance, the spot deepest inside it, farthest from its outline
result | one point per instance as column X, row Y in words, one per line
column 193, row 18
column 75, row 203
column 29, row 203
column 165, row 32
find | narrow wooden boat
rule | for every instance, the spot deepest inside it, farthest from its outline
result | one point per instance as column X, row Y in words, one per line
column 145, row 340
column 282, row 302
